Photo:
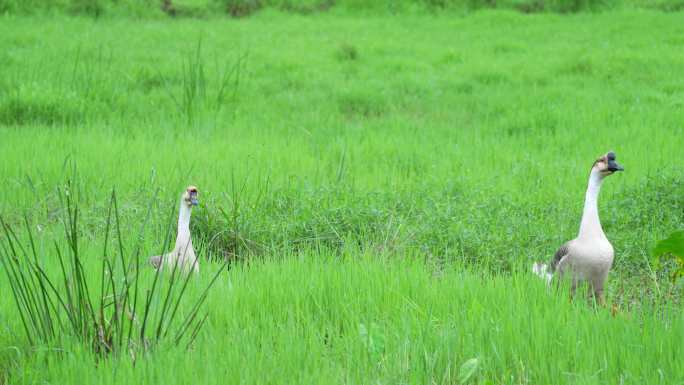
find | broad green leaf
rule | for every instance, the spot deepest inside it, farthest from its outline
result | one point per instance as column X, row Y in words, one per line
column 467, row 370
column 674, row 244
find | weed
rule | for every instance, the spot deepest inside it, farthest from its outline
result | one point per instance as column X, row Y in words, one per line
column 240, row 8
column 347, row 52
column 197, row 94
column 361, row 105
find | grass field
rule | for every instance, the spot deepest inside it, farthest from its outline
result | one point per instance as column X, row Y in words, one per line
column 380, row 184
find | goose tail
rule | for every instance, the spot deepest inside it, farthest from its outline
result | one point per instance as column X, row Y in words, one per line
column 156, row 261
column 542, row 271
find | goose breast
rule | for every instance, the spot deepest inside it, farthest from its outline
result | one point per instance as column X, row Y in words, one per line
column 591, row 258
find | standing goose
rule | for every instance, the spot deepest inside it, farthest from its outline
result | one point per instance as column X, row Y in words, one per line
column 588, row 257
column 183, row 254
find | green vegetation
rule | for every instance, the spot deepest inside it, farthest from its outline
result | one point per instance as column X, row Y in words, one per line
column 242, row 8
column 672, row 246
column 313, row 319
column 379, row 185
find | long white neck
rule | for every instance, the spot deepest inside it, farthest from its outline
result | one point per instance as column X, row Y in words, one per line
column 183, row 238
column 591, row 224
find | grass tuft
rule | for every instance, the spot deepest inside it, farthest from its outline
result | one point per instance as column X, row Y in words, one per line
column 347, row 52
column 22, row 110
column 199, row 95
column 123, row 317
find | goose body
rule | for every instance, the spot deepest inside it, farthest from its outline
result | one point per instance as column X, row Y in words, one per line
column 589, row 257
column 183, row 254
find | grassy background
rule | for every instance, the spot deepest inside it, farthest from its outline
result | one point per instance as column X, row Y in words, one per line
column 446, row 140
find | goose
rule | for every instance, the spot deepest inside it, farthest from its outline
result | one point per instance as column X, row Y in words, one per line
column 588, row 257
column 183, row 253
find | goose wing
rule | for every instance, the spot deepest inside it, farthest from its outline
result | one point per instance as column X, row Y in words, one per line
column 562, row 252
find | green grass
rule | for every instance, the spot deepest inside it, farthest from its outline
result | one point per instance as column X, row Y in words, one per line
column 312, row 319
column 341, row 161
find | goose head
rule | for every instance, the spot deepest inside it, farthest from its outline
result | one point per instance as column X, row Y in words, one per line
column 190, row 196
column 606, row 165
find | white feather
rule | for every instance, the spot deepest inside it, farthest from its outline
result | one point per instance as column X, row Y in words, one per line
column 541, row 270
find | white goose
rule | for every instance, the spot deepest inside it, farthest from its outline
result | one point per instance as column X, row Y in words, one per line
column 588, row 257
column 183, row 253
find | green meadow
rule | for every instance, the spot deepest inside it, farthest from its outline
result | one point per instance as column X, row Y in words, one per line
column 378, row 186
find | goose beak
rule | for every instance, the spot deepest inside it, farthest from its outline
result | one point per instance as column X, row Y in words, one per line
column 193, row 198
column 614, row 166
